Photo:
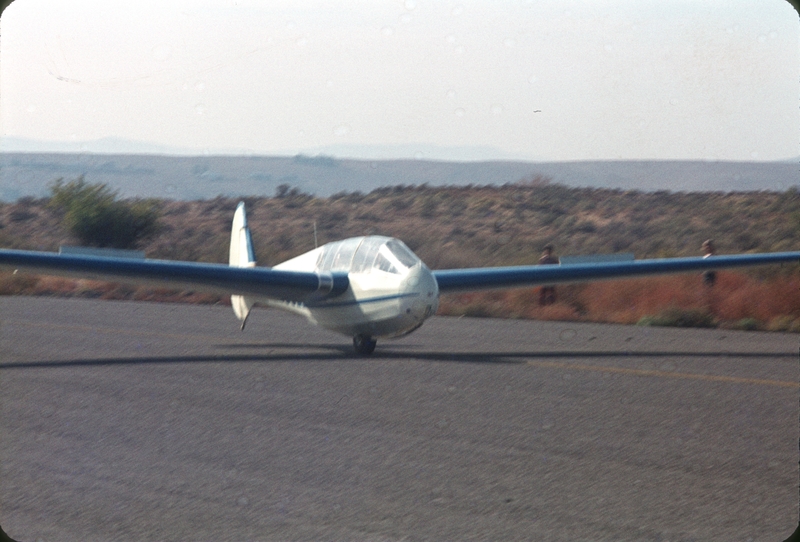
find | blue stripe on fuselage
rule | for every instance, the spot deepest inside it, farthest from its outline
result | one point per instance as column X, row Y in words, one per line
column 324, row 305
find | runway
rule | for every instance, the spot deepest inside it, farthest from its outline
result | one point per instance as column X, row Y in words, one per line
column 164, row 422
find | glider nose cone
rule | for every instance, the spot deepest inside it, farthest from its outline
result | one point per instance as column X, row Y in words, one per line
column 423, row 293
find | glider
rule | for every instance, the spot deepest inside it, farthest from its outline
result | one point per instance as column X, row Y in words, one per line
column 365, row 287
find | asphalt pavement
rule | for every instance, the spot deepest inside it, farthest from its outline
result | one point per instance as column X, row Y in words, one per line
column 164, row 422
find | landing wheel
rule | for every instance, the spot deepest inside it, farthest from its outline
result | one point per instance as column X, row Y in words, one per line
column 364, row 344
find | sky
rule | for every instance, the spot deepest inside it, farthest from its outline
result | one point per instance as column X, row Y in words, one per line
column 542, row 80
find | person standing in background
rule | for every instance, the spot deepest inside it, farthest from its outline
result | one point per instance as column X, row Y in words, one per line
column 547, row 294
column 709, row 277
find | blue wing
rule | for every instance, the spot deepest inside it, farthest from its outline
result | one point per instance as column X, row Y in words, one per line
column 301, row 286
column 462, row 280
column 252, row 281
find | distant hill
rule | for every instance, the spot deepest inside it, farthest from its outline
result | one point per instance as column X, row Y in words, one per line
column 202, row 177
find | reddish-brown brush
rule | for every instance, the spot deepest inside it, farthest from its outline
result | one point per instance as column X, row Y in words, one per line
column 773, row 303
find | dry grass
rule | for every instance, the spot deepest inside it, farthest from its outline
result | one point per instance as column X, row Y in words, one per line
column 736, row 300
column 25, row 284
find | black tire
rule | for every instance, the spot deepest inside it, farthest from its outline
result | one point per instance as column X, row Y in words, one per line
column 364, row 345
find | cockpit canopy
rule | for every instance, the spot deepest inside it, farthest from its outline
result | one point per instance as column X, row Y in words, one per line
column 363, row 254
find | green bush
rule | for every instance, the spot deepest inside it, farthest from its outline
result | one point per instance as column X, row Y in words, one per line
column 93, row 214
column 747, row 324
column 677, row 317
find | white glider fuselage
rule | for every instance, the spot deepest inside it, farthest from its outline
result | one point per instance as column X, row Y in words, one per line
column 391, row 291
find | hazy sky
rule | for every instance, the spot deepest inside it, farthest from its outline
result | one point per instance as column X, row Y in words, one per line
column 543, row 79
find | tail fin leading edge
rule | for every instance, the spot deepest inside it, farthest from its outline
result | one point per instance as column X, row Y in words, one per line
column 241, row 255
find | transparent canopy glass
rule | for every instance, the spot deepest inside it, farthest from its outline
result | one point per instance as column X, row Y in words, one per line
column 363, row 254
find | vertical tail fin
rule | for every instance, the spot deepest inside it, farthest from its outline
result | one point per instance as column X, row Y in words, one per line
column 241, row 255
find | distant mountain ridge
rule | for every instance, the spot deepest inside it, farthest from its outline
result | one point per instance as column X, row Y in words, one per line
column 405, row 151
column 202, row 177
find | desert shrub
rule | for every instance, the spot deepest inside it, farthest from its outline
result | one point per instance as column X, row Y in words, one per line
column 348, row 197
column 678, row 317
column 478, row 310
column 585, row 226
column 783, row 323
column 482, row 207
column 399, row 203
column 429, row 206
column 17, row 283
column 741, row 296
column 55, row 286
column 747, row 324
column 329, row 219
column 21, row 212
column 292, row 197
column 627, row 301
column 94, row 215
column 457, row 206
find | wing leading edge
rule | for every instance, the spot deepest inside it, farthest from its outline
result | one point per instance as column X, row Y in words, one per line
column 462, row 280
column 254, row 281
column 301, row 286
